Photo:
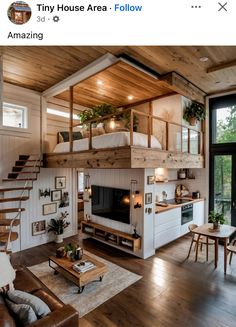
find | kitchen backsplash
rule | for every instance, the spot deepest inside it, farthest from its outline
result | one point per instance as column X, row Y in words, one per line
column 197, row 184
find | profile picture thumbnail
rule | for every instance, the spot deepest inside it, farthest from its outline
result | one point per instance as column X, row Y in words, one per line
column 19, row 12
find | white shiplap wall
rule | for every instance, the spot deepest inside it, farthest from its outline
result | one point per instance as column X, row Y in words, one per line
column 121, row 178
column 13, row 143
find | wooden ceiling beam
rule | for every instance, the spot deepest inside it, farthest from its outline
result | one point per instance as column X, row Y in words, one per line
column 225, row 65
column 182, row 86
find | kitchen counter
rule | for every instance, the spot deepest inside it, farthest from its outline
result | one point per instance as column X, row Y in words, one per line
column 160, row 209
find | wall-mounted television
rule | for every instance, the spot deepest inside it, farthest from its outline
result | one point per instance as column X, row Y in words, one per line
column 111, row 203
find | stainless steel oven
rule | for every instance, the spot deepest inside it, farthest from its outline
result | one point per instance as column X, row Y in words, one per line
column 187, row 213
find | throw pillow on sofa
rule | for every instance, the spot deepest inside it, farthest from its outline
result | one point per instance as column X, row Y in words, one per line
column 24, row 313
column 40, row 308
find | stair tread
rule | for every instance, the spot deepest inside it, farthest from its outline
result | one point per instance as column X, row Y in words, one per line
column 9, row 210
column 23, row 172
column 18, row 179
column 27, row 160
column 4, row 236
column 18, row 198
column 26, row 166
column 8, row 189
column 7, row 222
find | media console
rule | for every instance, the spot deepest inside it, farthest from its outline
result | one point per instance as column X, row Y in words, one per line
column 121, row 240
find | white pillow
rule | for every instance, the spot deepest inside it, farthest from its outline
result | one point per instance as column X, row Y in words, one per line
column 7, row 273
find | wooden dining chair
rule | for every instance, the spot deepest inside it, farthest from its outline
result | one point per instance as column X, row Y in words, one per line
column 200, row 240
column 231, row 249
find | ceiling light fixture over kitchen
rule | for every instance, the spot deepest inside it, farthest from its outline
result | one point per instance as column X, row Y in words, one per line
column 130, row 97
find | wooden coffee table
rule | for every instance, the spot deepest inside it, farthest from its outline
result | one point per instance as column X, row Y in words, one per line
column 65, row 267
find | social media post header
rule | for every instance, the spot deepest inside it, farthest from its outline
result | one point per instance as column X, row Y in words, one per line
column 102, row 22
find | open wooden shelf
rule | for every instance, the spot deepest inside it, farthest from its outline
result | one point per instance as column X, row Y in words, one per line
column 111, row 236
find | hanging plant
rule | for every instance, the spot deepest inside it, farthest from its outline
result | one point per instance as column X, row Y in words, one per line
column 194, row 112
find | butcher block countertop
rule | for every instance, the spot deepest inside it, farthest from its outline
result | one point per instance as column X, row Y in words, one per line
column 160, row 209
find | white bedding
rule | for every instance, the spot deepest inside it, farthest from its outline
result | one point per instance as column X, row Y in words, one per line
column 111, row 140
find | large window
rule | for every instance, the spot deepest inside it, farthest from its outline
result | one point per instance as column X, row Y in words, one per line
column 223, row 156
column 223, row 116
column 14, row 116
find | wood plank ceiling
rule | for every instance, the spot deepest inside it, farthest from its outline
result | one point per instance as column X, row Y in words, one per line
column 39, row 68
column 119, row 85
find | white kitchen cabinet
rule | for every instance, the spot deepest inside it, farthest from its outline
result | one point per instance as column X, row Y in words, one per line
column 199, row 213
column 167, row 227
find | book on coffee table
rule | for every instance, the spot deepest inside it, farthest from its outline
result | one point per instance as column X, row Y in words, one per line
column 83, row 266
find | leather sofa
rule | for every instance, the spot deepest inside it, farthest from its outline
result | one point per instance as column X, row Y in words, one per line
column 61, row 315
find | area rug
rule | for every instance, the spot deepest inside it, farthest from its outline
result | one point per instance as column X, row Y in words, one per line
column 94, row 294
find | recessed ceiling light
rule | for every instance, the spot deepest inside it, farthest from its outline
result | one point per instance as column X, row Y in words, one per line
column 204, row 59
column 130, row 97
column 99, row 82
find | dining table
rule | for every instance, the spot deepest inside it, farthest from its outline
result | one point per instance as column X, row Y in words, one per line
column 223, row 233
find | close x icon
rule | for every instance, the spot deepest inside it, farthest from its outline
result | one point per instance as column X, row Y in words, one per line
column 222, row 6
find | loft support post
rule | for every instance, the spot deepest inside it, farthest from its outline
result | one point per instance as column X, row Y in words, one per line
column 167, row 136
column 150, row 124
column 71, row 118
column 90, row 136
column 188, row 140
column 131, row 127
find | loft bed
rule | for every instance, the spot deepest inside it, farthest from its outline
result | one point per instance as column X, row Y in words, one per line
column 127, row 148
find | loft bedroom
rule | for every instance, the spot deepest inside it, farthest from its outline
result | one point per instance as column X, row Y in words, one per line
column 123, row 115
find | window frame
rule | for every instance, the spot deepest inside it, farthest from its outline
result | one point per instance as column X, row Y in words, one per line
column 219, row 148
column 26, row 109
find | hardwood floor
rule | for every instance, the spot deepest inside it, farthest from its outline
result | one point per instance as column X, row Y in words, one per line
column 172, row 292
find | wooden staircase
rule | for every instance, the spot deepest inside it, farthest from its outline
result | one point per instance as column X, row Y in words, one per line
column 25, row 170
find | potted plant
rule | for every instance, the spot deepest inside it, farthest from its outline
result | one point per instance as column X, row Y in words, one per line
column 194, row 112
column 216, row 218
column 57, row 226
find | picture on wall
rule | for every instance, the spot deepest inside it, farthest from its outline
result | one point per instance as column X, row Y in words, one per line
column 64, row 200
column 49, row 208
column 38, row 227
column 151, row 180
column 148, row 198
column 60, row 182
column 56, row 195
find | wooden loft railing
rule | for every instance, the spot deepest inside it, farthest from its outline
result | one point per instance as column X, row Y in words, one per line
column 150, row 119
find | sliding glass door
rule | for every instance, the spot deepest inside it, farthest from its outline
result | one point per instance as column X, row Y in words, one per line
column 223, row 157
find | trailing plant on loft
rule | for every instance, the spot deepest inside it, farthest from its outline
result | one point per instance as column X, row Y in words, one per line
column 194, row 112
column 100, row 110
column 105, row 109
column 216, row 218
